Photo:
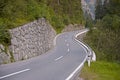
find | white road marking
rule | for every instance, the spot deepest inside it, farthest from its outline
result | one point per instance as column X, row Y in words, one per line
column 78, row 68
column 65, row 40
column 14, row 73
column 55, row 39
column 67, row 44
column 68, row 50
column 58, row 58
column 81, row 33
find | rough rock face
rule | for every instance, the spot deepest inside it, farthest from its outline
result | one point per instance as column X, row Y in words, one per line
column 32, row 39
column 75, row 27
column 4, row 58
column 72, row 27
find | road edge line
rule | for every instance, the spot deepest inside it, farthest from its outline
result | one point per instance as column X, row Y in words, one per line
column 84, row 46
column 14, row 73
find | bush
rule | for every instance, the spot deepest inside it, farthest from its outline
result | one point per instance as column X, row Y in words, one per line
column 4, row 36
column 105, row 38
column 59, row 13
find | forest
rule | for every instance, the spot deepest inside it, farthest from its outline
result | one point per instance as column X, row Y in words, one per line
column 59, row 13
column 104, row 36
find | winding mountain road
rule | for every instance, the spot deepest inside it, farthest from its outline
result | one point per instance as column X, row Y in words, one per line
column 60, row 63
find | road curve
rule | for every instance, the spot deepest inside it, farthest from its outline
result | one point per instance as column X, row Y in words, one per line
column 60, row 63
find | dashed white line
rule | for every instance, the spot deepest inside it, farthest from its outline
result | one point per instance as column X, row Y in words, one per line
column 58, row 58
column 68, row 50
column 65, row 40
column 78, row 68
column 67, row 44
column 14, row 73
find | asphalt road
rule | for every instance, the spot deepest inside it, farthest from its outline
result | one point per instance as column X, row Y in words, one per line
column 60, row 63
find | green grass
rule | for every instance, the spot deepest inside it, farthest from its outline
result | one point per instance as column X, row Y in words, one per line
column 101, row 70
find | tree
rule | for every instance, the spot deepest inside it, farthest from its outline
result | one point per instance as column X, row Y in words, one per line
column 4, row 36
column 101, row 9
column 98, row 10
column 105, row 38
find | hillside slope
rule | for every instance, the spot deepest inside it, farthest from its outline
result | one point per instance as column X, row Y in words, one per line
column 14, row 13
column 59, row 13
column 104, row 36
column 104, row 39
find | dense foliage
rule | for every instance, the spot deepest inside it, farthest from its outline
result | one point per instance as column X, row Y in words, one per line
column 59, row 13
column 4, row 36
column 105, row 36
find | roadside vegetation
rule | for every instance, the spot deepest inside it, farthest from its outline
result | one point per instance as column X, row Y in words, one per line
column 59, row 13
column 104, row 36
column 104, row 39
column 101, row 70
column 14, row 13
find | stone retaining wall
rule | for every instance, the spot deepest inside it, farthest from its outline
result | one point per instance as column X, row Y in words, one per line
column 73, row 27
column 4, row 57
column 31, row 40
